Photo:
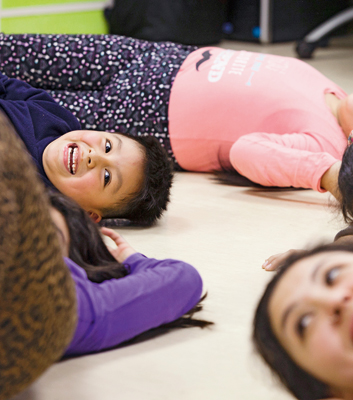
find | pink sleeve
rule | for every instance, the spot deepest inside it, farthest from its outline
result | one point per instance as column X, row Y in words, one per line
column 281, row 160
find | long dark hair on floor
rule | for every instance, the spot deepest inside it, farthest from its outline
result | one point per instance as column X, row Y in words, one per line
column 300, row 383
column 186, row 321
column 230, row 176
column 87, row 248
column 345, row 185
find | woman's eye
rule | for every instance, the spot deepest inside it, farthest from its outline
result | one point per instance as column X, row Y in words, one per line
column 331, row 275
column 302, row 324
column 106, row 177
column 108, row 146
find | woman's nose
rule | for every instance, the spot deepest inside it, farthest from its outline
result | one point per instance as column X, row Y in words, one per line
column 334, row 300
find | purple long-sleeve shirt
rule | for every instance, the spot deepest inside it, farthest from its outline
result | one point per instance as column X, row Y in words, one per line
column 155, row 292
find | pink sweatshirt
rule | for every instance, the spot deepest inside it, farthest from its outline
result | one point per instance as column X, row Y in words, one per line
column 266, row 114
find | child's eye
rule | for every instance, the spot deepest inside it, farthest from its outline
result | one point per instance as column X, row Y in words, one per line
column 106, row 177
column 302, row 324
column 331, row 275
column 108, row 146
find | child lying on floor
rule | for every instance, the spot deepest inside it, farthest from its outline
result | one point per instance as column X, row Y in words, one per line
column 109, row 175
column 120, row 293
column 275, row 120
column 98, row 300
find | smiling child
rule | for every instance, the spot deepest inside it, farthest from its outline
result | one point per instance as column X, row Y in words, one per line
column 111, row 165
column 108, row 174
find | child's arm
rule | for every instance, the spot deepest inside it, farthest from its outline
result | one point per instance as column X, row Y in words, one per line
column 272, row 263
column 345, row 235
column 329, row 180
column 33, row 112
column 78, row 62
column 154, row 293
column 280, row 160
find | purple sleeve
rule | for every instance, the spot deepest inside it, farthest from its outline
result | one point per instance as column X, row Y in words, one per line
column 155, row 292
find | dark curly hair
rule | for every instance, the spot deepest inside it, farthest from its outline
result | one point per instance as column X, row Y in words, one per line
column 148, row 204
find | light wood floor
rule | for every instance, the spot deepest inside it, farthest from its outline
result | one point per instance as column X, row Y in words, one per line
column 226, row 233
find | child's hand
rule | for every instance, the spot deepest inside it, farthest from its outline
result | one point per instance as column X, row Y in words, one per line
column 276, row 261
column 123, row 250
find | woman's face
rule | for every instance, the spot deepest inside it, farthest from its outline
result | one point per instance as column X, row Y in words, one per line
column 62, row 229
column 311, row 313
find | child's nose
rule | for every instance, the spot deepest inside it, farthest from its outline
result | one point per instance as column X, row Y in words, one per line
column 93, row 159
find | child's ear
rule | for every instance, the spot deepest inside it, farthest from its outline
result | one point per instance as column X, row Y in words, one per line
column 96, row 218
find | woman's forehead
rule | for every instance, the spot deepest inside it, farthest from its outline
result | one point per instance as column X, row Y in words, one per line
column 292, row 285
column 297, row 282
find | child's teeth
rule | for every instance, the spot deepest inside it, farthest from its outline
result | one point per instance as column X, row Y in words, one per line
column 68, row 158
column 74, row 161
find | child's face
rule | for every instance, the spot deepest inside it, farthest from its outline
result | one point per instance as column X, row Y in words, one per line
column 311, row 312
column 96, row 169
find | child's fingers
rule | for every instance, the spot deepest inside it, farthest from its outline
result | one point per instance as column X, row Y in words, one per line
column 266, row 265
column 268, row 262
column 271, row 266
column 108, row 232
column 112, row 235
column 274, row 262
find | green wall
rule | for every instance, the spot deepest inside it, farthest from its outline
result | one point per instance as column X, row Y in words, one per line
column 23, row 16
column 26, row 3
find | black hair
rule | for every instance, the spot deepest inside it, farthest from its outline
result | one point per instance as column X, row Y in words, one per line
column 148, row 204
column 230, row 176
column 300, row 383
column 185, row 321
column 87, row 248
column 345, row 185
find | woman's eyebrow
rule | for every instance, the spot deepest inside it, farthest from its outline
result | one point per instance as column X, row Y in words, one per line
column 290, row 308
column 317, row 268
column 287, row 313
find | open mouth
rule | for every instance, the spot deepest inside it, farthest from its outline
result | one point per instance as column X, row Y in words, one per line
column 72, row 158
